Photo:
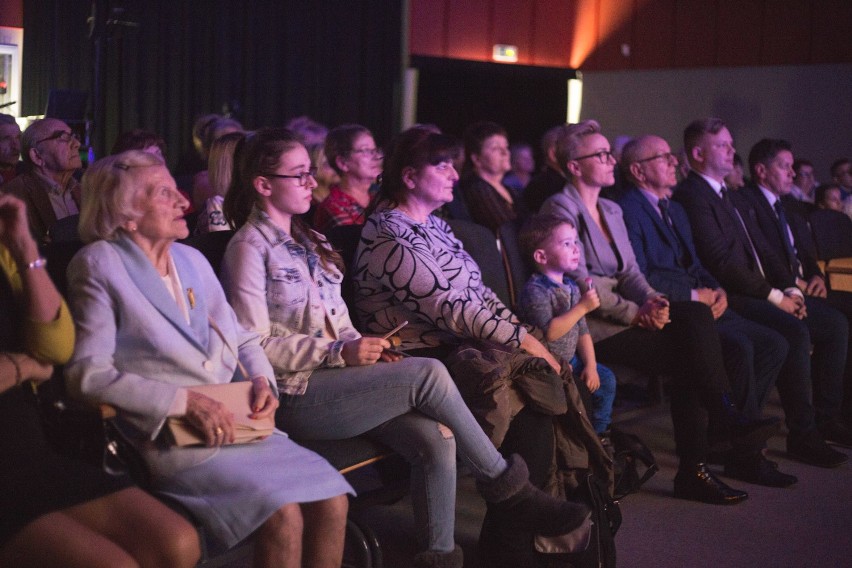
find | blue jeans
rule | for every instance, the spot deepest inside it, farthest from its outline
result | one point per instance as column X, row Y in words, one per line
column 400, row 404
column 602, row 399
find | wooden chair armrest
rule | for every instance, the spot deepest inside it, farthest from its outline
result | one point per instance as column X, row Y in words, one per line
column 839, row 266
column 107, row 411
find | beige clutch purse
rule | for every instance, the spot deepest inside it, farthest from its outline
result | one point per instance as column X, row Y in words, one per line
column 237, row 399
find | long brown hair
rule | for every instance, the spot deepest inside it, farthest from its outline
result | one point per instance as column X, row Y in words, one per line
column 259, row 154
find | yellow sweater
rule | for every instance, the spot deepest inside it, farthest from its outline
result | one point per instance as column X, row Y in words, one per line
column 50, row 342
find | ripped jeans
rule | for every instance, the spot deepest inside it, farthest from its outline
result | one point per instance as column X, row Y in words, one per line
column 400, row 405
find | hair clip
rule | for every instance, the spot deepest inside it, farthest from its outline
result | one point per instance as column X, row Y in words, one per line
column 121, row 166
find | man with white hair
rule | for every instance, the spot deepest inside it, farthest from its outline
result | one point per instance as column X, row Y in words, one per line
column 51, row 154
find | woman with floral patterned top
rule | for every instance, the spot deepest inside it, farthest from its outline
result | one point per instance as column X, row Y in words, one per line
column 283, row 281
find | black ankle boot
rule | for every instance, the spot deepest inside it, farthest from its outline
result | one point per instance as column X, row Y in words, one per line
column 513, row 500
column 434, row 559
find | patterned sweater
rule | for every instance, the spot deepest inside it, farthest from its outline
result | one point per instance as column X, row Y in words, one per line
column 406, row 270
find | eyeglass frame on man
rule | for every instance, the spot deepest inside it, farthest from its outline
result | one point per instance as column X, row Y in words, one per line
column 302, row 177
column 58, row 135
column 667, row 156
column 603, row 156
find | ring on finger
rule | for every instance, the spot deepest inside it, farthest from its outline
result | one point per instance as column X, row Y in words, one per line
column 219, row 431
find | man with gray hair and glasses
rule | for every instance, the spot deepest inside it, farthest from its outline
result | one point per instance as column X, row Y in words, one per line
column 51, row 155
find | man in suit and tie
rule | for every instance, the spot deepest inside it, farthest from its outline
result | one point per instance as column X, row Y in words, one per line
column 51, row 155
column 760, row 290
column 771, row 164
column 662, row 240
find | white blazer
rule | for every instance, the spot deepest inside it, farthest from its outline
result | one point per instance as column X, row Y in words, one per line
column 134, row 347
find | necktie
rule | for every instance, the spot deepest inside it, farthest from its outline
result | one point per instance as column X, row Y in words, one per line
column 786, row 235
column 680, row 249
column 663, row 204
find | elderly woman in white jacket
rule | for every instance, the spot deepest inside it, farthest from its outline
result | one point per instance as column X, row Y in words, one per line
column 152, row 321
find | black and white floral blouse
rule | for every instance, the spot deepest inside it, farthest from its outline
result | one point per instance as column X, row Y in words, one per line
column 419, row 272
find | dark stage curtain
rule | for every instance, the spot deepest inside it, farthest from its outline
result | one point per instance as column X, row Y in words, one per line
column 334, row 60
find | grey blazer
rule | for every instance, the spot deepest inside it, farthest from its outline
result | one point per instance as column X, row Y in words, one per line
column 134, row 347
column 621, row 288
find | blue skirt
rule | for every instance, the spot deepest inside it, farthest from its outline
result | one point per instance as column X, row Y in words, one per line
column 232, row 490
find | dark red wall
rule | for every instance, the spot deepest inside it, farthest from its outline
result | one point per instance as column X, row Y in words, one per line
column 12, row 13
column 659, row 33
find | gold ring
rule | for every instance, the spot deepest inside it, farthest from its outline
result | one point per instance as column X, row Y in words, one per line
column 219, row 431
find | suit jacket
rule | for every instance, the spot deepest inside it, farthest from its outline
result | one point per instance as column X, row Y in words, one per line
column 32, row 190
column 657, row 248
column 620, row 285
column 721, row 241
column 134, row 347
column 766, row 222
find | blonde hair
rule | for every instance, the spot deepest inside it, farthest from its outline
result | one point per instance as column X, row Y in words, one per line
column 220, row 164
column 111, row 187
column 569, row 139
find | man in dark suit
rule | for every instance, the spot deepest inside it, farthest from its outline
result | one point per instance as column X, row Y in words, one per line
column 662, row 240
column 51, row 154
column 771, row 164
column 747, row 267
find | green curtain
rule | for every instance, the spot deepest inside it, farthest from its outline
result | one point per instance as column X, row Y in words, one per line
column 335, row 60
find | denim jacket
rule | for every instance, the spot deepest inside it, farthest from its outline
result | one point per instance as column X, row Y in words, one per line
column 279, row 288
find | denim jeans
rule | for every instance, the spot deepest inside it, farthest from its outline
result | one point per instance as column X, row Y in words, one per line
column 400, row 404
column 602, row 399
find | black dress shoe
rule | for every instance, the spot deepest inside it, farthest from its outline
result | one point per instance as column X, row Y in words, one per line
column 836, row 432
column 758, row 470
column 699, row 484
column 811, row 448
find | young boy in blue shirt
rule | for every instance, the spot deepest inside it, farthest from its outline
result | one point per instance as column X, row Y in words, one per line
column 552, row 302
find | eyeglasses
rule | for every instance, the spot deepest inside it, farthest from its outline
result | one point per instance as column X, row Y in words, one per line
column 61, row 135
column 375, row 153
column 667, row 157
column 302, row 177
column 603, row 156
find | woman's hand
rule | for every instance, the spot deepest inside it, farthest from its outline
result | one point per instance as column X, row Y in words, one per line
column 363, row 351
column 534, row 347
column 31, row 369
column 653, row 314
column 14, row 230
column 211, row 418
column 264, row 402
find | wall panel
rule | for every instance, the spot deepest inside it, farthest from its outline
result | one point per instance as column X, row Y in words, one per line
column 654, row 35
column 513, row 24
column 740, row 32
column 589, row 34
column 468, row 30
column 428, row 29
column 786, row 32
column 554, row 28
column 696, row 33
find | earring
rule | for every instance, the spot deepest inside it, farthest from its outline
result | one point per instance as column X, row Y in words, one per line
column 132, row 227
